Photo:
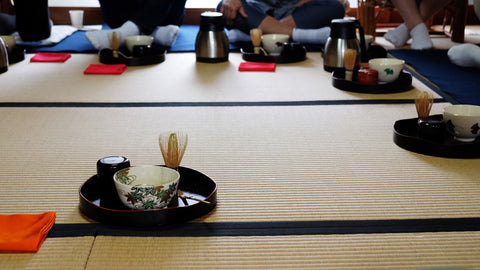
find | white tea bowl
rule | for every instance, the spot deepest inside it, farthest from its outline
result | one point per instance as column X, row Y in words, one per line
column 388, row 68
column 146, row 187
column 273, row 43
column 463, row 121
column 139, row 40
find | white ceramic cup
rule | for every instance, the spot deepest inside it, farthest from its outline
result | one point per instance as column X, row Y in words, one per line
column 76, row 17
column 388, row 68
column 463, row 121
column 273, row 43
column 131, row 41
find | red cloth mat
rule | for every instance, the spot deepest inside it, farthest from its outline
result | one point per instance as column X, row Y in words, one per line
column 50, row 57
column 256, row 66
column 24, row 232
column 105, row 69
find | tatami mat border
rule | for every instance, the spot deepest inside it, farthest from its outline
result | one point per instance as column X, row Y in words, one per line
column 272, row 228
column 202, row 104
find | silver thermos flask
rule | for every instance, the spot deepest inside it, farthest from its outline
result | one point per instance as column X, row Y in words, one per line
column 3, row 57
column 342, row 37
column 211, row 45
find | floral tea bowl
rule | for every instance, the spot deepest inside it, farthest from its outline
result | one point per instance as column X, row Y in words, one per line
column 463, row 121
column 146, row 187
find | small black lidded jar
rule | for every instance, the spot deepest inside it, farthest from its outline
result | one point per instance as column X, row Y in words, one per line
column 211, row 44
column 106, row 168
column 432, row 128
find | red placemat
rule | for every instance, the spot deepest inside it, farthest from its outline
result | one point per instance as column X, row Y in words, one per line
column 257, row 66
column 50, row 57
column 105, row 69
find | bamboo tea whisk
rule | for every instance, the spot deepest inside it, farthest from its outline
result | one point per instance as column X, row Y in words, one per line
column 349, row 59
column 423, row 104
column 115, row 39
column 173, row 145
column 256, row 36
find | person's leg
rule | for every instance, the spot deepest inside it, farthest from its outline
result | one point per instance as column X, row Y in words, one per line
column 117, row 12
column 314, row 14
column 318, row 13
column 414, row 16
column 7, row 24
column 239, row 29
column 165, row 23
column 410, row 13
column 154, row 13
column 465, row 55
column 158, row 18
column 313, row 20
column 117, row 15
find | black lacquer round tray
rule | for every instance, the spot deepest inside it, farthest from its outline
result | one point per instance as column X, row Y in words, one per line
column 109, row 209
column 155, row 56
column 296, row 53
column 406, row 135
column 17, row 55
column 402, row 84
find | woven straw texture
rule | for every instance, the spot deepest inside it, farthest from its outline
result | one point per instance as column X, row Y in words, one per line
column 55, row 253
column 291, row 163
column 189, row 82
column 386, row 251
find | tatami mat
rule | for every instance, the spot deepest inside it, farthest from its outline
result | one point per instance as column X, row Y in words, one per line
column 270, row 163
column 179, row 79
column 386, row 251
column 56, row 253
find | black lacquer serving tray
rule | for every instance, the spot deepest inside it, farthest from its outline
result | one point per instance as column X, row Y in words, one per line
column 193, row 183
column 155, row 56
column 17, row 55
column 294, row 53
column 402, row 84
column 406, row 135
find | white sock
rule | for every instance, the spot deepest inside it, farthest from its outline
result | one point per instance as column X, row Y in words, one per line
column 465, row 55
column 166, row 35
column 421, row 38
column 312, row 36
column 398, row 36
column 235, row 35
column 99, row 38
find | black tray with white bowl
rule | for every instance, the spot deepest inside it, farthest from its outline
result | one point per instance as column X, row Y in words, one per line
column 401, row 84
column 107, row 209
column 155, row 56
column 406, row 134
column 292, row 53
column 16, row 55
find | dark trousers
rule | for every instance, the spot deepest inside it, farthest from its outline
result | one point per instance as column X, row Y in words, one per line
column 146, row 14
column 7, row 24
column 312, row 15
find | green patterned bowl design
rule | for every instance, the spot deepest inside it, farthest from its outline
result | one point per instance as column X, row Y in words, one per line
column 146, row 187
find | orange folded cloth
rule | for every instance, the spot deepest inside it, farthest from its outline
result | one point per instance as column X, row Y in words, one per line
column 50, row 57
column 24, row 232
column 105, row 69
column 256, row 66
